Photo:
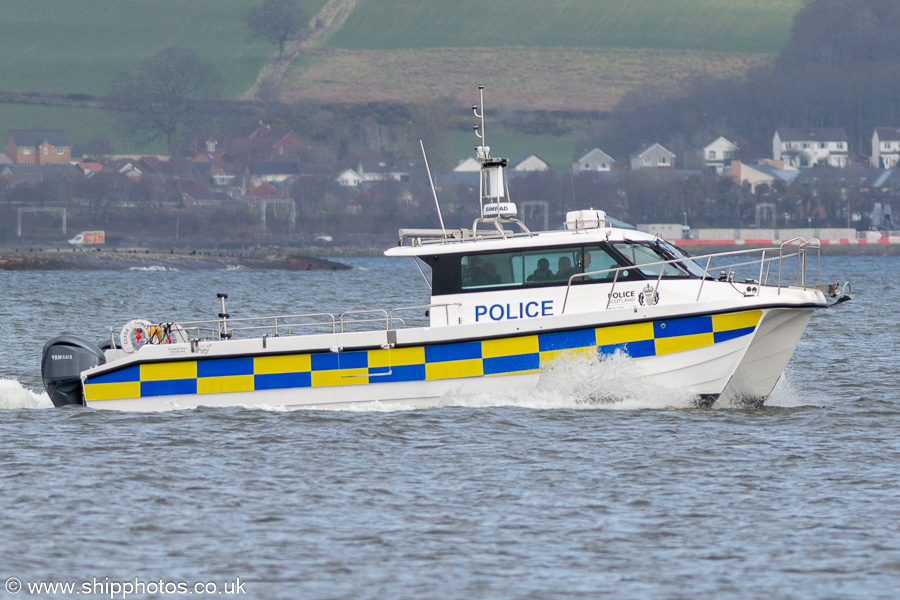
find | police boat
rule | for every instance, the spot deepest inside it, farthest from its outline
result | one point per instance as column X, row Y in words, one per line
column 506, row 303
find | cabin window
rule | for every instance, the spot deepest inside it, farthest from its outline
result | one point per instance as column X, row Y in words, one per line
column 493, row 270
column 550, row 266
column 643, row 256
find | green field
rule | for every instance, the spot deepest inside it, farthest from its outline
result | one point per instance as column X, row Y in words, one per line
column 567, row 55
column 740, row 26
column 79, row 46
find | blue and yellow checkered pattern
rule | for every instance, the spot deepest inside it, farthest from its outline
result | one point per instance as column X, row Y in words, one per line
column 523, row 354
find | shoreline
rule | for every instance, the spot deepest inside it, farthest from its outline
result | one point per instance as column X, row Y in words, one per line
column 54, row 259
column 59, row 259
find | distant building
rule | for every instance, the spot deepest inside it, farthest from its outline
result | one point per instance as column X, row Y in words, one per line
column 530, row 163
column 718, row 154
column 39, row 147
column 653, row 157
column 763, row 172
column 594, row 160
column 349, row 178
column 811, row 147
column 468, row 165
column 885, row 148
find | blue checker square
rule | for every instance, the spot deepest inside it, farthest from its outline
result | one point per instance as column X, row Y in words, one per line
column 685, row 326
column 448, row 352
column 225, row 367
column 397, row 373
column 721, row 336
column 169, row 387
column 512, row 364
column 132, row 373
column 638, row 349
column 280, row 381
column 566, row 340
column 331, row 361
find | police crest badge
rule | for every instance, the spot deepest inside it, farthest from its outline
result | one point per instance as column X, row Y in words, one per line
column 648, row 296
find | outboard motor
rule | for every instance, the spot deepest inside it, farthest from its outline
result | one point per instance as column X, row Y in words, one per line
column 63, row 360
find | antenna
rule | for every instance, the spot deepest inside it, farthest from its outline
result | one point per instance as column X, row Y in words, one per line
column 572, row 179
column 482, row 151
column 433, row 191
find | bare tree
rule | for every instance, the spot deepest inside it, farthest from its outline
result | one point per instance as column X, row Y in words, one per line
column 277, row 21
column 160, row 98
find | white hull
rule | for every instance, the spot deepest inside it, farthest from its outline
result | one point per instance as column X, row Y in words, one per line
column 749, row 363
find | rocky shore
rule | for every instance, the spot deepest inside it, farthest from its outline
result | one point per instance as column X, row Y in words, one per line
column 83, row 259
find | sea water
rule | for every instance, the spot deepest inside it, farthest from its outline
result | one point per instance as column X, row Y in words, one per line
column 592, row 485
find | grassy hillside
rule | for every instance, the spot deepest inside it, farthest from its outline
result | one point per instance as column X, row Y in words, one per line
column 743, row 26
column 569, row 54
column 517, row 78
column 79, row 46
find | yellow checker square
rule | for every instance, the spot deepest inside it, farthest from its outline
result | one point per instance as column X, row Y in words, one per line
column 736, row 320
column 510, row 346
column 339, row 377
column 548, row 356
column 169, row 370
column 228, row 383
column 272, row 365
column 395, row 357
column 112, row 391
column 622, row 334
column 453, row 369
column 683, row 342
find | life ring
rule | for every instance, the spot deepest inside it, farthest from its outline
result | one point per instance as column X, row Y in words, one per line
column 134, row 334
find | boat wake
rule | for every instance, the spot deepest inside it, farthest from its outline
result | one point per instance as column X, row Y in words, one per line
column 585, row 383
column 14, row 395
column 153, row 268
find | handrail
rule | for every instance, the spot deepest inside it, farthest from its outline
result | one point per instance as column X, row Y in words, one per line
column 763, row 260
column 300, row 324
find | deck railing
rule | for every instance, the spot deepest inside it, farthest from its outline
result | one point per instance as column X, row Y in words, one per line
column 226, row 328
column 728, row 265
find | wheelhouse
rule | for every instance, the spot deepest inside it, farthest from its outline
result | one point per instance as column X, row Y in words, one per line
column 526, row 268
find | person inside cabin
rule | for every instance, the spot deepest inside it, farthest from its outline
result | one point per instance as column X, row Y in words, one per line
column 491, row 276
column 586, row 262
column 475, row 272
column 542, row 272
column 564, row 268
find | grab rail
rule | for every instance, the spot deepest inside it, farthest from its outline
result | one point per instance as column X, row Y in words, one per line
column 727, row 270
column 226, row 328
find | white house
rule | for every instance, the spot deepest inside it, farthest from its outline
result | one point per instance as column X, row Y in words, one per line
column 811, row 147
column 469, row 165
column 885, row 148
column 531, row 163
column 378, row 170
column 654, row 157
column 594, row 160
column 718, row 153
column 349, row 178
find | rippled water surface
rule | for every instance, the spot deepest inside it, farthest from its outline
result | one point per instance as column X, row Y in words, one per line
column 518, row 495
